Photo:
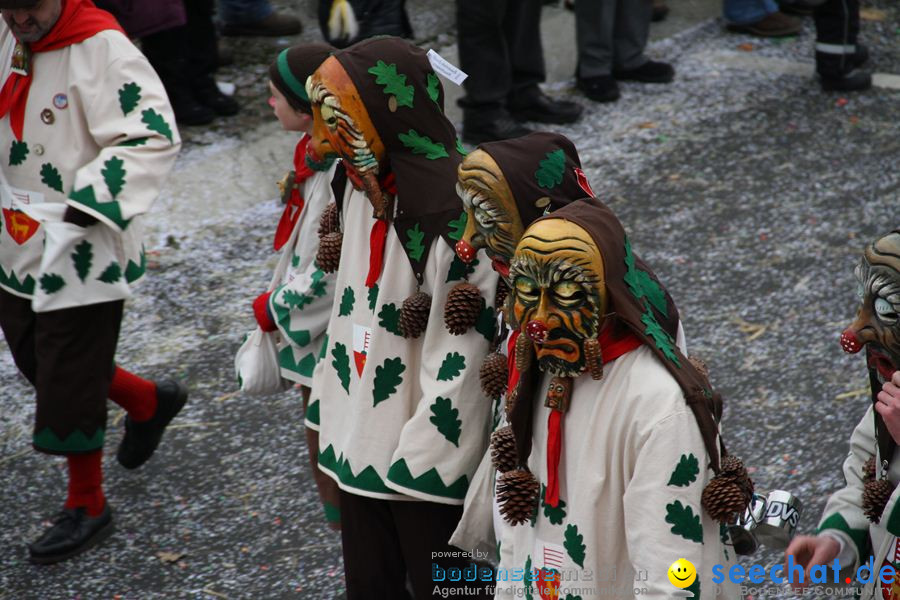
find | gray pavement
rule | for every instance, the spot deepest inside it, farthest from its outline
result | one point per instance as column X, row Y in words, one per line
column 749, row 191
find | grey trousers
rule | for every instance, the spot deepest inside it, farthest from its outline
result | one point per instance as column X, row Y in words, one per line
column 611, row 34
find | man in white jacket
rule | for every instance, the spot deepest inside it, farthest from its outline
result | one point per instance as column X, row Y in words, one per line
column 89, row 138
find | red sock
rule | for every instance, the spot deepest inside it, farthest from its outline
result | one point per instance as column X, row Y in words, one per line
column 85, row 479
column 137, row 396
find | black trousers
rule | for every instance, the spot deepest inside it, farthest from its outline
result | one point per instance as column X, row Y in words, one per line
column 837, row 27
column 388, row 543
column 500, row 49
column 67, row 355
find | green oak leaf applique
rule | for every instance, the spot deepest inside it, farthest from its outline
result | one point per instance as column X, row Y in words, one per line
column 341, row 364
column 129, row 96
column 111, row 274
column 82, row 258
column 486, row 324
column 528, row 579
column 554, row 514
column 686, row 471
column 422, row 144
column 394, row 83
column 641, row 284
column 133, row 142
column 389, row 318
column 458, row 227
column 295, row 299
column 373, row 297
column 319, row 286
column 660, row 336
column 52, row 283
column 551, row 169
column 387, row 378
column 114, row 175
column 50, row 176
column 156, row 122
column 574, row 545
column 347, row 300
column 695, row 588
column 460, row 270
column 446, row 419
column 414, row 245
column 18, row 151
column 459, row 148
column 454, row 364
column 433, row 86
column 725, row 538
column 684, row 522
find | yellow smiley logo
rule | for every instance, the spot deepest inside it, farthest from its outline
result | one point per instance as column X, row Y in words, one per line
column 682, row 573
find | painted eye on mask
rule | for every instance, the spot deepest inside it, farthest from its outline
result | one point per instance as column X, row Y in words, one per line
column 885, row 310
column 569, row 294
column 483, row 218
column 527, row 290
column 328, row 116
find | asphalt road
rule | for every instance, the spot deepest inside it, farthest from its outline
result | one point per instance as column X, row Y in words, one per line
column 749, row 191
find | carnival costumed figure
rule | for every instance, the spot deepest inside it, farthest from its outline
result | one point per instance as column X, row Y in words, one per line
column 862, row 520
column 403, row 422
column 90, row 138
column 504, row 187
column 612, row 467
column 300, row 305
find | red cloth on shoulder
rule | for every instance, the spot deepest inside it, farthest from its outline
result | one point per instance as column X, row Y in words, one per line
column 295, row 202
column 78, row 21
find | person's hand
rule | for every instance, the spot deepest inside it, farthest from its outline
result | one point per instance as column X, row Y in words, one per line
column 888, row 405
column 809, row 551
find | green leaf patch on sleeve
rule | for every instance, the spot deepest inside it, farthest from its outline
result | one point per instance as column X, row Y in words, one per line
column 684, row 522
column 446, row 419
column 82, row 258
column 156, row 122
column 114, row 175
column 129, row 96
column 686, row 471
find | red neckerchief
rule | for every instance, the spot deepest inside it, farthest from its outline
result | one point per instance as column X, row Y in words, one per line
column 294, row 204
column 611, row 348
column 78, row 21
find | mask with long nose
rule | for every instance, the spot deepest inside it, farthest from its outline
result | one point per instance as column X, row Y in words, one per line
column 558, row 294
column 342, row 126
column 493, row 221
column 877, row 324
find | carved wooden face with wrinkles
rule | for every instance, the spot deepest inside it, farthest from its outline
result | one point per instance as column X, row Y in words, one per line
column 341, row 124
column 558, row 293
column 877, row 321
column 493, row 220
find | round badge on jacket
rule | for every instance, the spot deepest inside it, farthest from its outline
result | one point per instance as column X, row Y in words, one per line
column 61, row 101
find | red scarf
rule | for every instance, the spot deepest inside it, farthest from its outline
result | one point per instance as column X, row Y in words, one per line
column 378, row 234
column 294, row 204
column 612, row 348
column 78, row 21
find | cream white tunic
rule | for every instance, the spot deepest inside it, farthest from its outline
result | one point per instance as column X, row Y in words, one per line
column 301, row 304
column 632, row 470
column 400, row 418
column 105, row 144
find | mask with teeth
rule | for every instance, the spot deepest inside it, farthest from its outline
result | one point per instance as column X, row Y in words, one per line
column 877, row 323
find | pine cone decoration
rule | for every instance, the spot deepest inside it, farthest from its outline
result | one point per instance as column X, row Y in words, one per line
column 501, row 295
column 329, row 255
column 414, row 314
column 868, row 469
column 729, row 493
column 524, row 353
column 874, row 498
column 330, row 220
column 493, row 375
column 593, row 358
column 503, row 449
column 462, row 308
column 517, row 495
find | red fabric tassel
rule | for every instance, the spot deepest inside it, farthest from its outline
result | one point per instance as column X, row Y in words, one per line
column 514, row 374
column 78, row 21
column 554, row 448
column 376, row 251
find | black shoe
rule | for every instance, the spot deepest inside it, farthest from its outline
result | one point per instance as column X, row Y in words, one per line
column 539, row 107
column 660, row 11
column 141, row 439
column 602, row 88
column 209, row 95
column 502, row 127
column 854, row 81
column 859, row 57
column 276, row 24
column 190, row 112
column 72, row 533
column 797, row 8
column 649, row 72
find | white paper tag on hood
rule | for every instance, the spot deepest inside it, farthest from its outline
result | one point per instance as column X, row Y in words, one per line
column 445, row 68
